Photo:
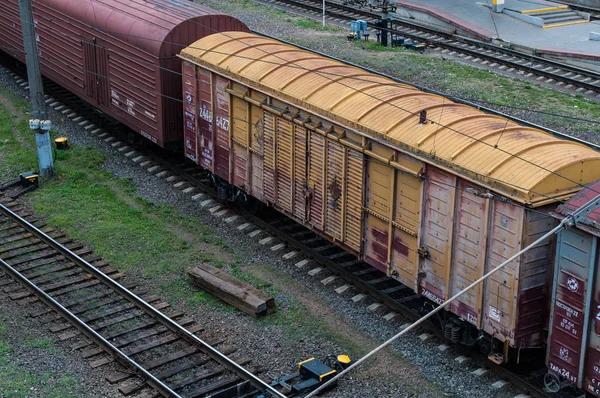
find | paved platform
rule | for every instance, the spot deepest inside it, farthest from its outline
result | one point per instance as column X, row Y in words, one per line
column 476, row 19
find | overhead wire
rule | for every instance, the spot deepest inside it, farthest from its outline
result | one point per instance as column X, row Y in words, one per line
column 286, row 64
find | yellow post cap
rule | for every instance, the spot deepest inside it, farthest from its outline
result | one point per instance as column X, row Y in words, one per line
column 60, row 139
column 345, row 359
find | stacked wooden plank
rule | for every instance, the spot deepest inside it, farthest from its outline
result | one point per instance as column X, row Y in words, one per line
column 231, row 290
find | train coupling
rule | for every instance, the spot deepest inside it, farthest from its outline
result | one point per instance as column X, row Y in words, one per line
column 311, row 374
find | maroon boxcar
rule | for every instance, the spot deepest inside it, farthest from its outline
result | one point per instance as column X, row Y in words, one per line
column 574, row 339
column 119, row 56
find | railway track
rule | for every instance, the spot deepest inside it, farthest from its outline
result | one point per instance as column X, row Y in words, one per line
column 334, row 266
column 492, row 56
column 107, row 321
column 389, row 296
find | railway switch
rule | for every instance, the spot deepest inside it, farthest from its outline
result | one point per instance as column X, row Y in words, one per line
column 312, row 373
column 29, row 179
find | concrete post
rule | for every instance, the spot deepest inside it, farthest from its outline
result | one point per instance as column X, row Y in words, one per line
column 497, row 5
column 36, row 89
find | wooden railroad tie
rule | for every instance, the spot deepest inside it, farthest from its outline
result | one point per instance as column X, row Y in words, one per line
column 231, row 290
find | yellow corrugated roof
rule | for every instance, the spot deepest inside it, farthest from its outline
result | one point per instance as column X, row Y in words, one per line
column 460, row 137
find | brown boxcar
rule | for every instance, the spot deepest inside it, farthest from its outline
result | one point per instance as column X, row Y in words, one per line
column 434, row 203
column 574, row 338
column 119, row 56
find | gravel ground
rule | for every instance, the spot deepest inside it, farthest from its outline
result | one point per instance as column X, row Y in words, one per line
column 411, row 368
column 36, row 355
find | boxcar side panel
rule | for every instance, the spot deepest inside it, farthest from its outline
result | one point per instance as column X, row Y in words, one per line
column 335, row 188
column 316, row 171
column 256, row 145
column 205, row 120
column 470, row 242
column 575, row 253
column 377, row 203
column 133, row 84
column 270, row 188
column 284, row 164
column 300, row 148
column 221, row 123
column 591, row 374
column 240, row 128
column 533, row 285
column 505, row 231
column 406, row 223
column 438, row 223
column 354, row 200
column 190, row 106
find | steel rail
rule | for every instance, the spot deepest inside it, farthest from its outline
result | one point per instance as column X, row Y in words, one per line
column 364, row 286
column 440, row 42
column 141, row 304
column 88, row 331
column 391, row 303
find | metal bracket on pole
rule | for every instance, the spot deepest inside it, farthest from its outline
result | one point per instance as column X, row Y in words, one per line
column 581, row 213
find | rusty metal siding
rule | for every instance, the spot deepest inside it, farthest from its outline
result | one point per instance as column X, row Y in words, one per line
column 240, row 128
column 270, row 189
column 505, row 237
column 284, row 164
column 438, row 224
column 576, row 259
column 470, row 244
column 354, row 200
column 221, row 124
column 335, row 188
column 205, row 135
column 240, row 121
column 300, row 152
column 256, row 146
column 190, row 106
column 406, row 219
column 376, row 242
column 533, row 279
column 377, row 206
column 316, row 170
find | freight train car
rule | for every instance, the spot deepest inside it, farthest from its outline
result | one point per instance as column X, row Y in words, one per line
column 431, row 192
column 574, row 338
column 121, row 57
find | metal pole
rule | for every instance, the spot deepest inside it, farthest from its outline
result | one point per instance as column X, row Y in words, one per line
column 560, row 226
column 36, row 90
column 323, row 14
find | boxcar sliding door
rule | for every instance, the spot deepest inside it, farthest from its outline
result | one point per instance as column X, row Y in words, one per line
column 392, row 211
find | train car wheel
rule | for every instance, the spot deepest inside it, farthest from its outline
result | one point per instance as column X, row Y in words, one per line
column 552, row 382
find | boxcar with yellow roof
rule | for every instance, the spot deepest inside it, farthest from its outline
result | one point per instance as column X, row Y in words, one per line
column 431, row 192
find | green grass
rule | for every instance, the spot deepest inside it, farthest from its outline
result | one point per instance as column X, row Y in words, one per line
column 17, row 155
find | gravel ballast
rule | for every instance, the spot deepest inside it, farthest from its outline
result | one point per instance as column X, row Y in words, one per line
column 411, row 368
